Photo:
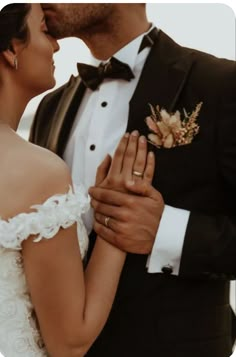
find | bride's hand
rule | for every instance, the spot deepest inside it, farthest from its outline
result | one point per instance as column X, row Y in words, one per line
column 130, row 164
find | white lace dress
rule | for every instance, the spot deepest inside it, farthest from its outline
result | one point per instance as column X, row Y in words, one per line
column 19, row 336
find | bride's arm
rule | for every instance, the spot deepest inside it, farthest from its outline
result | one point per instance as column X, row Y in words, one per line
column 72, row 309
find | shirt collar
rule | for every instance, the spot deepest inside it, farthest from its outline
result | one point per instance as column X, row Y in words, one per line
column 128, row 53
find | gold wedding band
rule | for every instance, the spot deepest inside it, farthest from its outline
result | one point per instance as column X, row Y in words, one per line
column 106, row 221
column 137, row 173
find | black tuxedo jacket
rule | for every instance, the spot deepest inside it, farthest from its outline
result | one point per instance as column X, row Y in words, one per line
column 160, row 314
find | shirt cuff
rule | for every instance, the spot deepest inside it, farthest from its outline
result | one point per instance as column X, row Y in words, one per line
column 167, row 249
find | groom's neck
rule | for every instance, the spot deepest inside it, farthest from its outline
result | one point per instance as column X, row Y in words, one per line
column 118, row 31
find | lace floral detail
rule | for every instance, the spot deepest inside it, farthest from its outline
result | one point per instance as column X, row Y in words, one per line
column 19, row 334
column 58, row 211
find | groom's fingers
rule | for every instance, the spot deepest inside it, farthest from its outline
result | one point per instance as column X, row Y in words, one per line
column 116, row 198
column 107, row 234
column 143, row 188
column 109, row 196
column 109, row 210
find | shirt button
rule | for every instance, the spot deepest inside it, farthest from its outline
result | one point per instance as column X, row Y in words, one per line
column 167, row 269
column 92, row 147
column 104, row 104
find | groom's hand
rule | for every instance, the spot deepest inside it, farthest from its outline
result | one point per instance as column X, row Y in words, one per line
column 133, row 219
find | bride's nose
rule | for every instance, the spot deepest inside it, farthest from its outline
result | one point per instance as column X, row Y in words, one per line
column 55, row 45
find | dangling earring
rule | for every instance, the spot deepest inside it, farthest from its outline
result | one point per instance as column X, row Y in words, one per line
column 15, row 63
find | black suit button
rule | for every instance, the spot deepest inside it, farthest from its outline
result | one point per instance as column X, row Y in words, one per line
column 167, row 269
column 92, row 147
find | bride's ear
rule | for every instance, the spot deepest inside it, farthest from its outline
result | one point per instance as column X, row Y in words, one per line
column 10, row 55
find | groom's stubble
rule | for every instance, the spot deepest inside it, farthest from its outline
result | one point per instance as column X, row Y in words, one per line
column 77, row 20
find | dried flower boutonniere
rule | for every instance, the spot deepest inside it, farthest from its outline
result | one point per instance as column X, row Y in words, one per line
column 169, row 130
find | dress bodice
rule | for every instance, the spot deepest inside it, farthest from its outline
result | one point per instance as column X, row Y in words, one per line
column 19, row 335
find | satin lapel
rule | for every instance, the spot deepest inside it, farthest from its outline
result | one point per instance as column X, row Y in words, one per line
column 61, row 112
column 161, row 82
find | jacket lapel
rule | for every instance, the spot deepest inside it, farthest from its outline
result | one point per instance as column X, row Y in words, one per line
column 60, row 128
column 161, row 82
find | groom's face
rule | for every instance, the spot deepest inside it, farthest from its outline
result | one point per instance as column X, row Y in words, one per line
column 74, row 19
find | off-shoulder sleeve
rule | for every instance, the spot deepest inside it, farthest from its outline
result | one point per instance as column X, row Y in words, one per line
column 58, row 211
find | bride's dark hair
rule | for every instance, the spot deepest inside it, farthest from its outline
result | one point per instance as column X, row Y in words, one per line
column 13, row 19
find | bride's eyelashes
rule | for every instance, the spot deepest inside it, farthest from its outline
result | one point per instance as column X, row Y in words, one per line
column 44, row 27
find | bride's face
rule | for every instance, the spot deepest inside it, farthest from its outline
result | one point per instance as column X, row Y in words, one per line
column 35, row 59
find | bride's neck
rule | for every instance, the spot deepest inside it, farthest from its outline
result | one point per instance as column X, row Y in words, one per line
column 12, row 107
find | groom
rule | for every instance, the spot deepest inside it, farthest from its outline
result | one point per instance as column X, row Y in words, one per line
column 173, row 297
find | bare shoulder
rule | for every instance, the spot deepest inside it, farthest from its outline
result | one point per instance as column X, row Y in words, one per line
column 31, row 175
column 46, row 173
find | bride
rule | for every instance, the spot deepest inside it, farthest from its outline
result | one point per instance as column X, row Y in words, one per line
column 44, row 293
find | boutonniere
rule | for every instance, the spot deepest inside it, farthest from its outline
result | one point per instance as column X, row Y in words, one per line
column 172, row 129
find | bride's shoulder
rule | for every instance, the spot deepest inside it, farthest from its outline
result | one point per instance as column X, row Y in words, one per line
column 45, row 167
column 44, row 159
column 32, row 176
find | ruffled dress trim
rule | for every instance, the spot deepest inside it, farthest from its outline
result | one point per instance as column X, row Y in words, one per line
column 58, row 211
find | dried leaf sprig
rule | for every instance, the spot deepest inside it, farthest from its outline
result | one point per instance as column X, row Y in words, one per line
column 169, row 130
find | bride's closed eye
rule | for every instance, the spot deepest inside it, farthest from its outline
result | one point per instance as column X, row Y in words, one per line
column 44, row 27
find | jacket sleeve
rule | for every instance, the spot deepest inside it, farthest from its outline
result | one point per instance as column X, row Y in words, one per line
column 210, row 240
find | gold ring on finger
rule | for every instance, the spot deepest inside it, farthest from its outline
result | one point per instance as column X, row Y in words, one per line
column 106, row 221
column 137, row 173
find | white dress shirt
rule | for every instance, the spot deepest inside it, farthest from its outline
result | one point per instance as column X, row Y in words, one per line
column 100, row 122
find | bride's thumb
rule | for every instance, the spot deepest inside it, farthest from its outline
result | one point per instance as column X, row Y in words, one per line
column 103, row 169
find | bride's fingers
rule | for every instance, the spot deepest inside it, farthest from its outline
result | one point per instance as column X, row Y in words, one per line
column 150, row 167
column 102, row 170
column 140, row 160
column 130, row 155
column 117, row 160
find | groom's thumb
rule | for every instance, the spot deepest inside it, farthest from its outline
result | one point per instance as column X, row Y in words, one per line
column 143, row 188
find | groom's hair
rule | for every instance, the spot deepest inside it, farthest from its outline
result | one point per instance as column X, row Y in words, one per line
column 13, row 24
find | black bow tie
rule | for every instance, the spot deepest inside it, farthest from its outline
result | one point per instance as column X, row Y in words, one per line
column 92, row 76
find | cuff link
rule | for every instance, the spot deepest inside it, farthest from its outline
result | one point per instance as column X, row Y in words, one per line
column 167, row 269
